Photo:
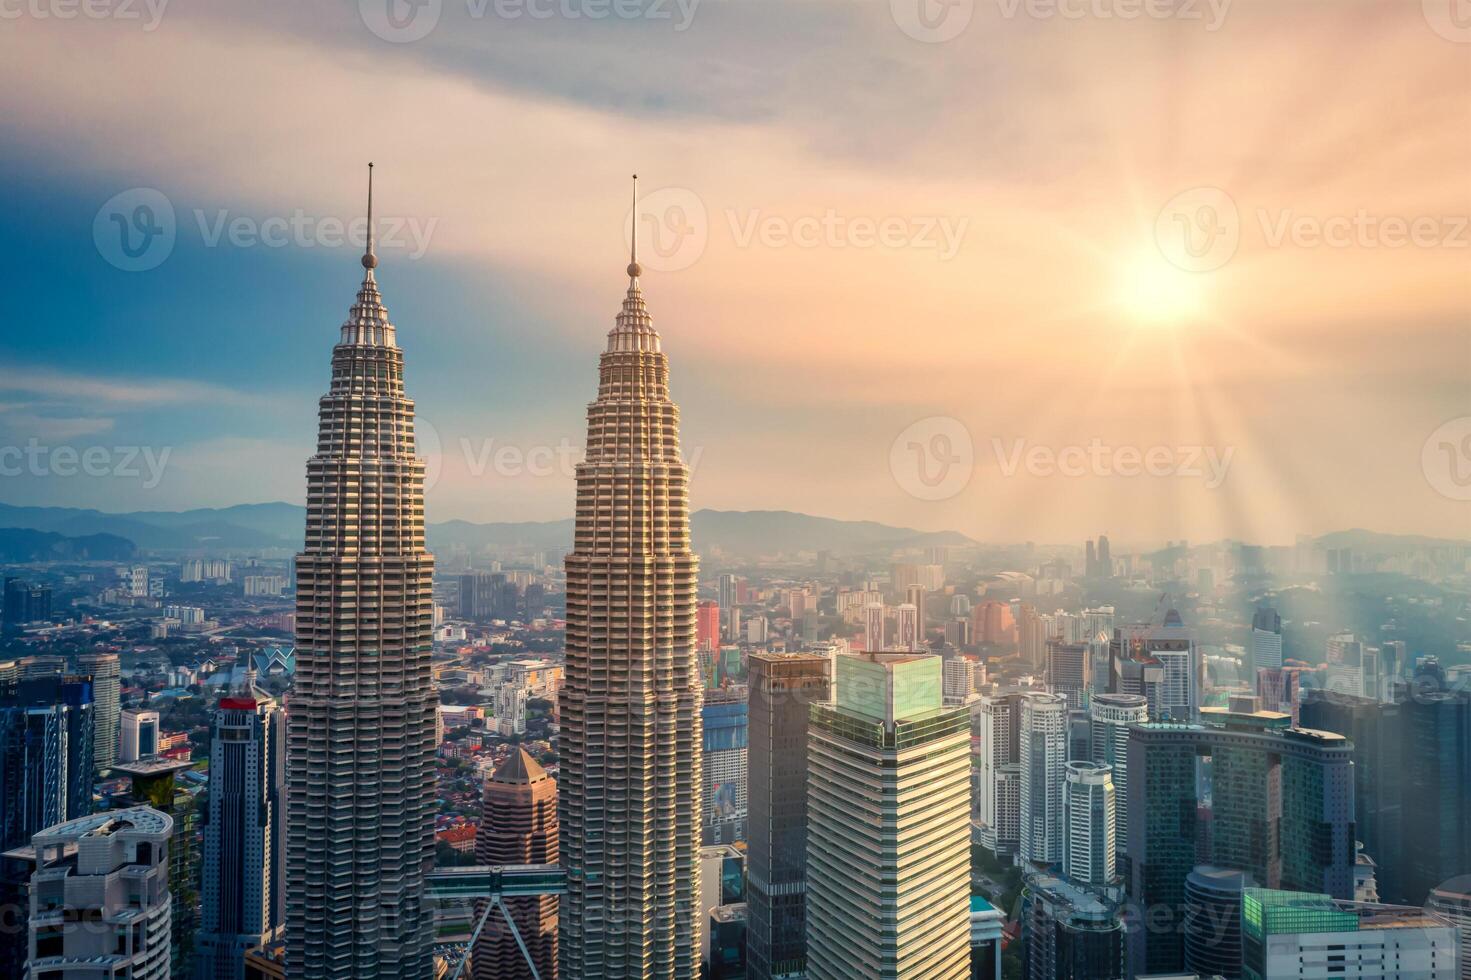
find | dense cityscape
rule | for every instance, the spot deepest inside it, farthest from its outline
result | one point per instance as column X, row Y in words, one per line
column 818, row 749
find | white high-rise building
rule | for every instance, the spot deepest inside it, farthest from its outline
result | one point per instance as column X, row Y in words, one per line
column 906, row 627
column 1110, row 716
column 873, row 626
column 888, row 846
column 106, row 690
column 1266, row 640
column 1043, row 746
column 100, row 904
column 997, row 791
column 1089, row 837
column 138, row 734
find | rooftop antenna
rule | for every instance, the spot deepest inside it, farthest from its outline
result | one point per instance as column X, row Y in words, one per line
column 634, row 269
column 370, row 261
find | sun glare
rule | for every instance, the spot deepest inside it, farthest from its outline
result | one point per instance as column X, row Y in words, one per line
column 1152, row 291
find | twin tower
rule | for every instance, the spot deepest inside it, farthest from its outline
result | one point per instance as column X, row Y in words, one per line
column 360, row 762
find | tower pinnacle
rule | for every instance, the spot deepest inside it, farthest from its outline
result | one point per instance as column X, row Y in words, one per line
column 634, row 269
column 370, row 261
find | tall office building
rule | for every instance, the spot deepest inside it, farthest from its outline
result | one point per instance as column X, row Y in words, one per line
column 630, row 801
column 873, row 626
column 1412, row 784
column 1345, row 665
column 906, row 627
column 707, row 625
column 1088, row 849
column 1302, row 934
column 888, row 846
column 997, row 772
column 1042, row 751
column 106, row 687
column 138, row 734
column 1160, row 660
column 724, row 731
column 1212, row 921
column 1266, row 640
column 244, row 900
column 916, row 595
column 25, row 602
column 1110, row 716
column 361, row 715
column 1280, row 689
column 1282, row 810
column 783, row 686
column 99, row 897
column 1071, row 930
column 1067, row 671
column 519, row 826
column 47, row 739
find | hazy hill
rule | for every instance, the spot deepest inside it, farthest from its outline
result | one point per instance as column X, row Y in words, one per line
column 279, row 525
column 25, row 545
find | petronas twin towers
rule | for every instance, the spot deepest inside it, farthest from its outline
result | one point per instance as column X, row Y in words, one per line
column 361, row 748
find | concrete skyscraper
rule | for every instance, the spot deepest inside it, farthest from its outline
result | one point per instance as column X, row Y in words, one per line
column 1110, row 716
column 244, row 900
column 518, row 826
column 360, row 762
column 630, row 705
column 888, row 836
column 1089, row 850
column 1043, row 749
column 1266, row 640
column 106, row 688
column 783, row 688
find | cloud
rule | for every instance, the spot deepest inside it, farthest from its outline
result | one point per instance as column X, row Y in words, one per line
column 60, row 388
column 54, row 428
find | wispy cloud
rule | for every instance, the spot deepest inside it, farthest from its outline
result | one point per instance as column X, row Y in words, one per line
column 51, row 428
column 59, row 388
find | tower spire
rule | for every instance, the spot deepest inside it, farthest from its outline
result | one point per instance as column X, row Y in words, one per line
column 634, row 269
column 370, row 261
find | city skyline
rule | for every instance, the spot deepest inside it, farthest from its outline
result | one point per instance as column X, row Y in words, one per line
column 1042, row 330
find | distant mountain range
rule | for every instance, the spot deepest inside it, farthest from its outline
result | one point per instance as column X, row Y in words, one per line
column 279, row 525
column 25, row 545
column 740, row 534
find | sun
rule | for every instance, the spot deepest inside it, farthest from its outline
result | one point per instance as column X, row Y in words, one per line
column 1150, row 290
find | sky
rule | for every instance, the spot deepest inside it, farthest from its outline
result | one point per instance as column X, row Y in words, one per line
column 1026, row 269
